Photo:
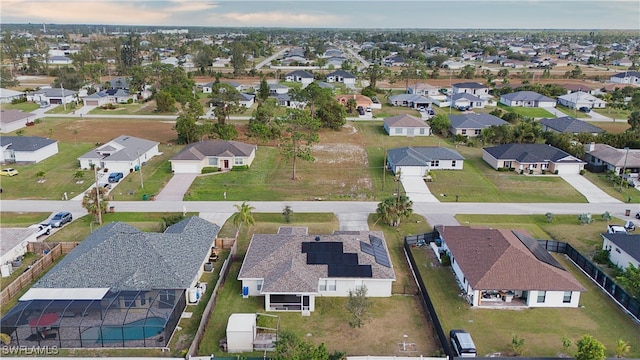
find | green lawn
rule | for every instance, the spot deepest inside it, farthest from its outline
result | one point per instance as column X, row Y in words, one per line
column 59, row 175
column 612, row 127
column 24, row 106
column 65, row 109
column 527, row 111
column 572, row 112
column 601, row 181
column 479, row 182
column 619, row 115
column 144, row 108
column 492, row 330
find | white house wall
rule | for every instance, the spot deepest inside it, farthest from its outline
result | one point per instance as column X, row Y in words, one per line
column 38, row 155
column 404, row 131
column 618, row 256
column 553, row 299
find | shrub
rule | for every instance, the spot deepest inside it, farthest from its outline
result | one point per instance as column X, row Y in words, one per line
column 208, row 170
column 240, row 168
column 530, row 171
column 19, row 100
column 556, row 172
column 601, row 256
column 38, row 121
column 582, row 172
column 130, row 101
column 445, row 260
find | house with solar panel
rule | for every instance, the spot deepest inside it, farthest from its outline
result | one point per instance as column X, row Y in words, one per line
column 292, row 268
column 499, row 268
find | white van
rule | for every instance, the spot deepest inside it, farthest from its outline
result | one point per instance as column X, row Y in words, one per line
column 462, row 343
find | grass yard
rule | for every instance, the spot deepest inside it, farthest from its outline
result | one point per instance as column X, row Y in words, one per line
column 527, row 111
column 620, row 115
column 139, row 108
column 612, row 127
column 390, row 110
column 479, row 182
column 601, row 181
column 398, row 315
column 572, row 112
column 65, row 109
column 24, row 106
column 22, row 219
column 492, row 330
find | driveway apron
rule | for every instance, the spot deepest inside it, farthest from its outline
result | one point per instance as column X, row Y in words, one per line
column 417, row 190
column 176, row 187
column 593, row 193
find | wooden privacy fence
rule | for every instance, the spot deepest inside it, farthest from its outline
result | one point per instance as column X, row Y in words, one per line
column 51, row 251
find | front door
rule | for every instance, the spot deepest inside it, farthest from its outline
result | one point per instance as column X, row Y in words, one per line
column 226, row 164
column 305, row 302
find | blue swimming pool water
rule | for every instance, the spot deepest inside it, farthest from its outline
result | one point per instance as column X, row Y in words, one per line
column 136, row 330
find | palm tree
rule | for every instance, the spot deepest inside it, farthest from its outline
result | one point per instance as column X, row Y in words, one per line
column 393, row 209
column 94, row 205
column 244, row 216
column 622, row 348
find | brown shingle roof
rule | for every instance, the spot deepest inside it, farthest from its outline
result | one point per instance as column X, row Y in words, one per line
column 493, row 259
column 278, row 259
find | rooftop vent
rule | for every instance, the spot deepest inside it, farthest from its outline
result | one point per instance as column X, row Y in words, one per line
column 317, row 238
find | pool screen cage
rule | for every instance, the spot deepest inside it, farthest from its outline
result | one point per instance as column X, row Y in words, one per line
column 120, row 319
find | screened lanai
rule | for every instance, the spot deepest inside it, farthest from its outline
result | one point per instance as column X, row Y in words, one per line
column 115, row 319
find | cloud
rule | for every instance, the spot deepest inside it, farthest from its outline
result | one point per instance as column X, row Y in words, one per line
column 276, row 18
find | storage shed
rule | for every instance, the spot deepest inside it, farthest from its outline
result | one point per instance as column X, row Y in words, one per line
column 241, row 330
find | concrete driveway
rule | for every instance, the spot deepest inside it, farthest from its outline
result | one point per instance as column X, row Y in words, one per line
column 598, row 117
column 176, row 187
column 555, row 111
column 353, row 221
column 417, row 190
column 593, row 193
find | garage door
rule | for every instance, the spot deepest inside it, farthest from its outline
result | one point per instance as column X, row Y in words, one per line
column 91, row 102
column 411, row 171
column 568, row 169
column 188, row 168
column 55, row 101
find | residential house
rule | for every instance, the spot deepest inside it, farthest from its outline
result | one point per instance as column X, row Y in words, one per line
column 26, row 149
column 326, row 85
column 406, row 125
column 12, row 120
column 118, row 83
column 109, row 96
column 394, row 60
column 122, row 154
column 335, row 61
column 472, row 88
column 300, row 76
column 53, row 96
column 361, row 100
column 341, row 76
column 603, row 157
column 6, row 95
column 579, row 99
column 471, row 125
column 527, row 99
column 291, row 268
column 246, row 100
column 627, row 77
column 207, row 88
column 624, row 249
column 503, row 268
column 286, row 101
column 117, row 278
column 410, row 100
column 14, row 245
column 569, row 125
column 590, row 89
column 219, row 154
column 424, row 89
column 278, row 89
column 59, row 60
column 419, row 160
column 465, row 100
column 532, row 158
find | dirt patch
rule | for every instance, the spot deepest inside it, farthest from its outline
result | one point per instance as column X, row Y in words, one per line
column 340, row 153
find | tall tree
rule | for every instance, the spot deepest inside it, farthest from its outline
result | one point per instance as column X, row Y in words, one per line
column 95, row 202
column 263, row 123
column 187, row 125
column 226, row 100
column 263, row 90
column 301, row 132
column 244, row 216
column 392, row 210
column 634, row 120
column 238, row 58
column 358, row 305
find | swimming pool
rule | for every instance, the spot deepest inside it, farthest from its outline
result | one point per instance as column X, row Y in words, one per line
column 136, row 330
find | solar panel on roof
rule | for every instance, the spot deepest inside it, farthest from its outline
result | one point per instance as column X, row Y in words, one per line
column 366, row 248
column 538, row 251
column 350, row 271
column 376, row 241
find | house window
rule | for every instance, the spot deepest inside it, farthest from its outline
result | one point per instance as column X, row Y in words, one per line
column 259, row 285
column 327, row 285
column 567, row 297
column 422, row 131
column 435, row 163
column 464, row 131
column 213, row 161
column 238, row 161
column 453, row 163
column 478, row 131
column 618, row 251
column 542, row 296
column 398, row 130
column 359, row 284
column 129, row 300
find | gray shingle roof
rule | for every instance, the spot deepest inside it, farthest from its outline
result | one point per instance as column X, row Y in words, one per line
column 625, row 74
column 342, row 73
column 627, row 242
column 202, row 149
column 526, row 96
column 469, row 85
column 55, row 92
column 301, row 73
column 475, row 121
column 569, row 124
column 121, row 257
column 279, row 261
column 132, row 146
column 421, row 155
column 26, row 143
column 404, row 120
column 529, row 153
column 470, row 97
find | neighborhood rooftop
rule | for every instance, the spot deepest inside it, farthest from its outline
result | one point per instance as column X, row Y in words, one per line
column 570, row 125
column 419, row 155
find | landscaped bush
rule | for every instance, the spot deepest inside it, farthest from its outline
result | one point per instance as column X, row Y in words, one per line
column 130, row 101
column 19, row 100
column 208, row 170
column 505, row 169
column 582, row 172
column 240, row 168
column 108, row 106
column 445, row 260
column 601, row 257
column 38, row 121
column 531, row 172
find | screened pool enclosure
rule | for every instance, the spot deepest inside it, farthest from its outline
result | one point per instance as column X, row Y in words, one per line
column 117, row 319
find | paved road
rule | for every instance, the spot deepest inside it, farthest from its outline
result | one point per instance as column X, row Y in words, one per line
column 268, row 60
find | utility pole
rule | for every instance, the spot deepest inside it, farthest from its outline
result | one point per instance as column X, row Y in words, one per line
column 624, row 167
column 64, row 104
column 140, row 170
column 95, row 175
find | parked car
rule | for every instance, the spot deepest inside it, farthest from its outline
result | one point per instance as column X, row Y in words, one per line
column 616, row 229
column 44, row 104
column 638, row 215
column 60, row 219
column 463, row 108
column 462, row 343
column 115, row 177
column 585, row 109
column 43, row 229
column 360, row 110
column 9, row 172
column 629, row 226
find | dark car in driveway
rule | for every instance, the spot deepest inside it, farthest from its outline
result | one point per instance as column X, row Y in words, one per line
column 60, row 219
column 585, row 109
column 115, row 177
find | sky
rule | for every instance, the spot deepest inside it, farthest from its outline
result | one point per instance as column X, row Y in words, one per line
column 428, row 14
